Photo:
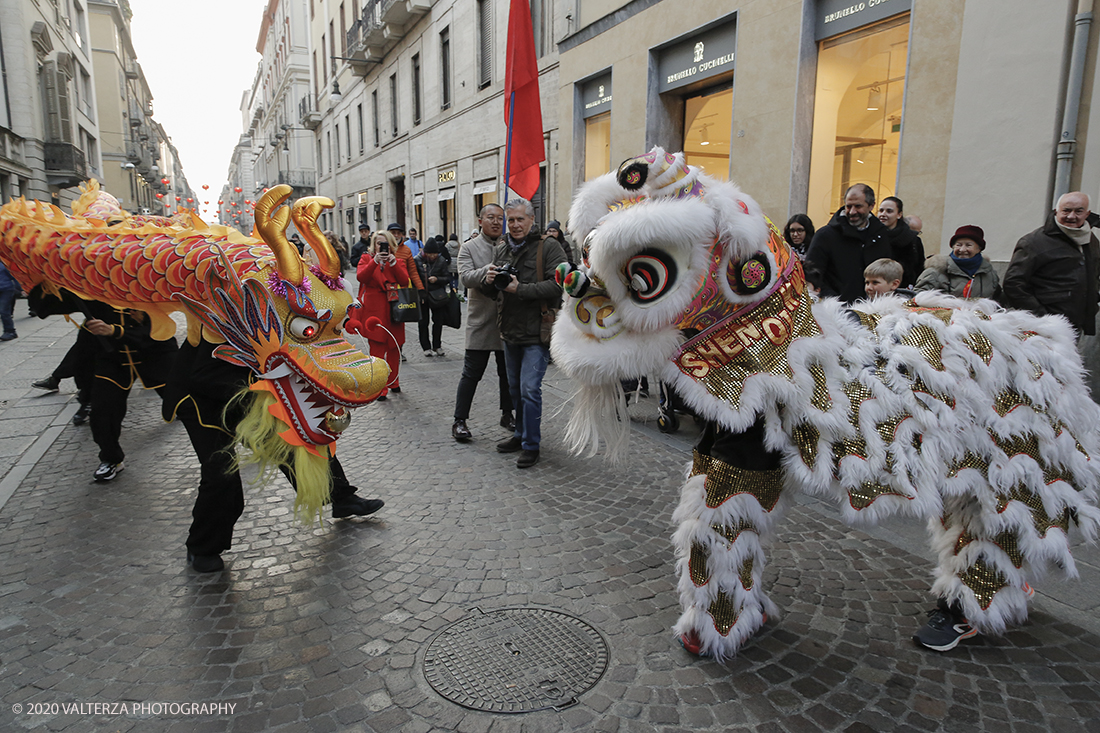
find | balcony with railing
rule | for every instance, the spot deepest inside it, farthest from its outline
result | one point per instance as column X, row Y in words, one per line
column 307, row 112
column 382, row 24
column 299, row 178
column 65, row 164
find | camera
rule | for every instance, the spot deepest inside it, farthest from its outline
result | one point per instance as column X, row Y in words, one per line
column 384, row 247
column 504, row 275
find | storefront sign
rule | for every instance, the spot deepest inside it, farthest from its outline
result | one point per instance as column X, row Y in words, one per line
column 485, row 187
column 447, row 176
column 596, row 96
column 840, row 16
column 705, row 54
column 362, row 197
column 446, row 194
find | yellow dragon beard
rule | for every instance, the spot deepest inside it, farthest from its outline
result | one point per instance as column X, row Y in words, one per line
column 260, row 434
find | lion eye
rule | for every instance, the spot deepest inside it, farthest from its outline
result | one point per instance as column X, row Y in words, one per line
column 303, row 329
column 650, row 274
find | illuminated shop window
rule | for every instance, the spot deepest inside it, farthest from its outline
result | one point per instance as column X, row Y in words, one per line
column 597, row 145
column 857, row 115
column 708, row 118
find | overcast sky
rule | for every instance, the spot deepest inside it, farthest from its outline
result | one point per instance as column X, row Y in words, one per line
column 198, row 57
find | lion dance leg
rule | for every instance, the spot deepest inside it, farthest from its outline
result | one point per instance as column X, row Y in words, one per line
column 727, row 510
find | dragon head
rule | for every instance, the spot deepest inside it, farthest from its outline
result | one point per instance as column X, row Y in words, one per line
column 285, row 323
column 670, row 260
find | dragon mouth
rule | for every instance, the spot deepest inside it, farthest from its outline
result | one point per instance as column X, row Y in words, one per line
column 317, row 415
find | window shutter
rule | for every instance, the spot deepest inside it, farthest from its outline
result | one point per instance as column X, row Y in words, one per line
column 485, row 23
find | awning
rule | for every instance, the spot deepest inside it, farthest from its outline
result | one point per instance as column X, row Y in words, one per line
column 418, row 199
column 485, row 187
column 446, row 194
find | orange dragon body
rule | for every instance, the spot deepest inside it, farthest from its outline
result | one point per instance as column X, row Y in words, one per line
column 265, row 307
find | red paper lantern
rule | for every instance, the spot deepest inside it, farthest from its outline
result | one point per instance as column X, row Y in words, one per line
column 160, row 195
column 164, row 181
column 190, row 200
column 205, row 187
column 238, row 189
column 177, row 198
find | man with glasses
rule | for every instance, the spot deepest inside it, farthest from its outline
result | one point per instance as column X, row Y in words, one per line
column 1054, row 268
column 482, row 331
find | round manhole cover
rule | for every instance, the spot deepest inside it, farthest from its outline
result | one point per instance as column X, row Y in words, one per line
column 515, row 660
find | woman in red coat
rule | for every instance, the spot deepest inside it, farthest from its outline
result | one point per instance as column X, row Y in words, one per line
column 379, row 273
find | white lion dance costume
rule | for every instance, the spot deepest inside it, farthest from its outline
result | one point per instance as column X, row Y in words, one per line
column 974, row 418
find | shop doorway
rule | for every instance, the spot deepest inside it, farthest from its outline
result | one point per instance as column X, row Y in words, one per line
column 597, row 145
column 858, row 115
column 708, row 121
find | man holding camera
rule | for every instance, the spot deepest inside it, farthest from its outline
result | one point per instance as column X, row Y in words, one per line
column 521, row 278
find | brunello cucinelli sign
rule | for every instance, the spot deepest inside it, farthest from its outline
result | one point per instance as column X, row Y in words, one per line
column 840, row 16
column 704, row 54
column 596, row 95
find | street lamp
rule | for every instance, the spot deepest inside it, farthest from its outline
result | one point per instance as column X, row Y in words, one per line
column 336, row 96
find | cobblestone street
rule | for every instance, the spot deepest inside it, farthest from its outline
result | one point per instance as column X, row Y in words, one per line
column 324, row 628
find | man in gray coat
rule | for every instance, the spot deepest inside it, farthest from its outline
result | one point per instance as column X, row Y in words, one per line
column 482, row 331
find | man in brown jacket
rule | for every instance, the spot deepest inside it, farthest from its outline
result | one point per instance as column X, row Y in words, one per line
column 1054, row 268
column 482, row 332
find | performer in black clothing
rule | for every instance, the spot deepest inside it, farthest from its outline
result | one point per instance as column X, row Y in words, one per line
column 200, row 389
column 131, row 353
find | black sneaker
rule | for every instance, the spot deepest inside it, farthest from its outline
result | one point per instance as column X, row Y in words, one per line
column 81, row 415
column 355, row 506
column 508, row 421
column 206, row 563
column 108, row 471
column 50, row 383
column 946, row 627
column 527, row 459
column 511, row 445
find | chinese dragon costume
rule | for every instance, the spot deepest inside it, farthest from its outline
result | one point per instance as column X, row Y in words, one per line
column 251, row 302
column 971, row 417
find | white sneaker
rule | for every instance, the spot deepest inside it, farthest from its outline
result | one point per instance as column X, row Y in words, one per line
column 439, row 352
column 429, row 353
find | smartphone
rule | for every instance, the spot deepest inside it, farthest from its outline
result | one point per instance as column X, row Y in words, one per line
column 384, row 247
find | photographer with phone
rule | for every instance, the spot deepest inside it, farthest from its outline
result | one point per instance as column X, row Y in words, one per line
column 380, row 273
column 521, row 278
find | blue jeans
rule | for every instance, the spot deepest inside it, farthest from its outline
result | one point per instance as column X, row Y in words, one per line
column 526, row 368
column 7, row 307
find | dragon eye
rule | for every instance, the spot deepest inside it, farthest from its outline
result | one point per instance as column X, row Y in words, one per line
column 650, row 274
column 303, row 329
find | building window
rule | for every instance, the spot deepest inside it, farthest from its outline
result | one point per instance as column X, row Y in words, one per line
column 857, row 114
column 484, row 43
column 347, row 134
column 445, row 66
column 393, row 104
column 374, row 115
column 331, row 45
column 708, row 118
column 316, row 83
column 337, row 156
column 320, row 160
column 540, row 20
column 324, row 61
column 343, row 32
column 597, row 146
column 359, row 116
column 416, row 89
column 328, row 145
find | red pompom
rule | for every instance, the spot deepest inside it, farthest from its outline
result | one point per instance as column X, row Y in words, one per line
column 373, row 322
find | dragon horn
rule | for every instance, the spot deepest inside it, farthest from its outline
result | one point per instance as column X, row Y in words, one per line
column 306, row 211
column 272, row 227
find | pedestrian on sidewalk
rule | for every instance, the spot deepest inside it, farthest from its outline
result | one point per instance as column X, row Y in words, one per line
column 436, row 276
column 380, row 274
column 482, row 331
column 9, row 290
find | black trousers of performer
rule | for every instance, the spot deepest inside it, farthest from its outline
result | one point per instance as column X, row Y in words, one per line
column 78, row 364
column 220, row 501
column 473, row 369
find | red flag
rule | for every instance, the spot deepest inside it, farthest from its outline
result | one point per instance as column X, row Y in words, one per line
column 522, row 110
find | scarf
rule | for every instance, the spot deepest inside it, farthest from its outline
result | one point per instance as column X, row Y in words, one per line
column 969, row 265
column 1080, row 236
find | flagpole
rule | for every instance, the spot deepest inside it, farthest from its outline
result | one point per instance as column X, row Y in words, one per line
column 508, row 145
